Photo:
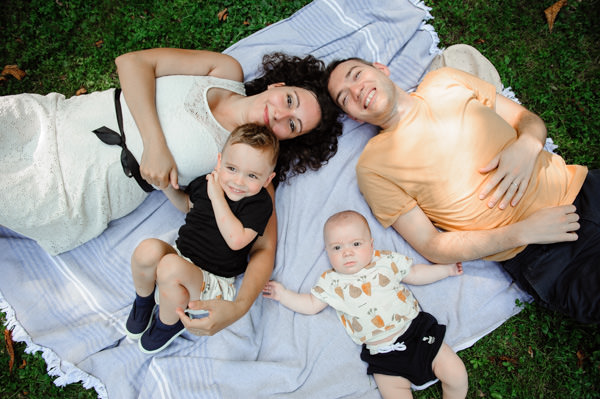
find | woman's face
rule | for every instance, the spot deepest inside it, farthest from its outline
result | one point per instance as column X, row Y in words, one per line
column 290, row 111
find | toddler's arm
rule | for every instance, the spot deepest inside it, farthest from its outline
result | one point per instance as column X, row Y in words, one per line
column 233, row 231
column 301, row 303
column 425, row 274
column 179, row 198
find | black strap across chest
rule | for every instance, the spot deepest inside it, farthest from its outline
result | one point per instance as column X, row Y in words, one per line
column 128, row 161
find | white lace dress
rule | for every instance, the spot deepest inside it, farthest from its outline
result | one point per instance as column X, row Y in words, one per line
column 61, row 186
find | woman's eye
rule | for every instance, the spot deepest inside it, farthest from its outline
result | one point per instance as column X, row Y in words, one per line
column 289, row 101
column 292, row 126
column 357, row 75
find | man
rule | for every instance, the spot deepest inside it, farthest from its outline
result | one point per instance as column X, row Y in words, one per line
column 456, row 155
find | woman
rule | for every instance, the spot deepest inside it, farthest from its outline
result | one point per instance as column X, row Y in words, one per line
column 45, row 139
column 62, row 185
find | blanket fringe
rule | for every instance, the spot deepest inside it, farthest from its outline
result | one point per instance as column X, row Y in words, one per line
column 434, row 49
column 66, row 372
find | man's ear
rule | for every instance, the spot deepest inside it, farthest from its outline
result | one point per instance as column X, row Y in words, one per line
column 271, row 176
column 382, row 68
column 272, row 85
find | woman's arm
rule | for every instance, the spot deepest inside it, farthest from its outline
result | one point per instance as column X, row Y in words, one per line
column 223, row 313
column 137, row 73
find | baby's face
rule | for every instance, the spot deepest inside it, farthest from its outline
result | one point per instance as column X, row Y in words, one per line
column 349, row 245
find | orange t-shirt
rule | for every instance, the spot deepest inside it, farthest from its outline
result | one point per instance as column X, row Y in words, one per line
column 432, row 157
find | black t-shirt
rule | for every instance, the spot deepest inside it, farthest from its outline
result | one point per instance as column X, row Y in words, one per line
column 200, row 239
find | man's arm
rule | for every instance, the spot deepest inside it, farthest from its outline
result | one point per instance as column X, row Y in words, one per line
column 512, row 167
column 547, row 225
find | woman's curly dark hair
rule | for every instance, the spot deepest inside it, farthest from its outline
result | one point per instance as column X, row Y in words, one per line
column 314, row 149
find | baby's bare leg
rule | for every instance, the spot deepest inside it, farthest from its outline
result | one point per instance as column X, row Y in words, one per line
column 178, row 279
column 393, row 387
column 451, row 371
column 144, row 262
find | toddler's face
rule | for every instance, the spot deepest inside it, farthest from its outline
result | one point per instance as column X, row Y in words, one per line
column 244, row 170
column 349, row 245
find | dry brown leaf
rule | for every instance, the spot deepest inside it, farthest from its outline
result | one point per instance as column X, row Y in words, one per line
column 14, row 71
column 81, row 91
column 552, row 11
column 10, row 349
column 580, row 358
column 246, row 23
column 223, row 14
column 99, row 43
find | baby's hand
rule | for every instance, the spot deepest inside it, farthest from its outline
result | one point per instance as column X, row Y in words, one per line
column 456, row 269
column 213, row 187
column 273, row 290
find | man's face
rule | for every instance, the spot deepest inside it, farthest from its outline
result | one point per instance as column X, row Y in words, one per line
column 364, row 92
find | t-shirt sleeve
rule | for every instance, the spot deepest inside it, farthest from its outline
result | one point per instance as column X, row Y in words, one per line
column 256, row 211
column 324, row 290
column 387, row 200
column 483, row 91
column 196, row 188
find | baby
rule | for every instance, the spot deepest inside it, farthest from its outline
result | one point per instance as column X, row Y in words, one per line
column 401, row 344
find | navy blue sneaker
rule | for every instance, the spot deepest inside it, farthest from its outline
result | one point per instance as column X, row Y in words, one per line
column 139, row 319
column 158, row 336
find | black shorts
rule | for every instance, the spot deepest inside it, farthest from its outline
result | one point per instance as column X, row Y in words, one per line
column 423, row 340
column 565, row 276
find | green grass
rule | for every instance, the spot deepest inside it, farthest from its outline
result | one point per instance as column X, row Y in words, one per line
column 65, row 45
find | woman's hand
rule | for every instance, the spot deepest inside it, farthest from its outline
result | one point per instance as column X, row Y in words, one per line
column 221, row 314
column 158, row 167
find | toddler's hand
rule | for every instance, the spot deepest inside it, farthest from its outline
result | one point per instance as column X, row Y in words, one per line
column 213, row 187
column 273, row 290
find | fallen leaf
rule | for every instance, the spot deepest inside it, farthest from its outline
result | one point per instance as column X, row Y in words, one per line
column 246, row 23
column 99, row 43
column 223, row 14
column 10, row 349
column 14, row 71
column 530, row 351
column 580, row 357
column 81, row 91
column 479, row 41
column 552, row 11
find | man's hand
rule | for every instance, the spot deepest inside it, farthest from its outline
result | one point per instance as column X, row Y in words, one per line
column 511, row 170
column 551, row 225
